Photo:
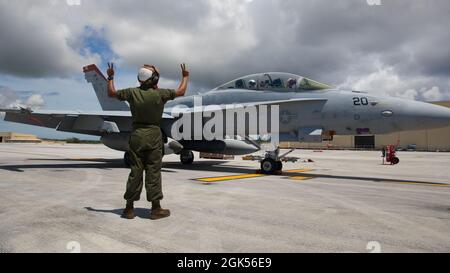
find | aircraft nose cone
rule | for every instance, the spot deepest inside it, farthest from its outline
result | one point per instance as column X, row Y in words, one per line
column 426, row 116
column 435, row 116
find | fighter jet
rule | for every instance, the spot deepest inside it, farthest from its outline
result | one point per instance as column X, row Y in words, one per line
column 308, row 111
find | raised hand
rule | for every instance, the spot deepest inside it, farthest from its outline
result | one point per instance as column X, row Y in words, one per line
column 110, row 70
column 184, row 71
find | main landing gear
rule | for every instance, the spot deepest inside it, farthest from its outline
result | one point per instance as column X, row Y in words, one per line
column 186, row 157
column 127, row 159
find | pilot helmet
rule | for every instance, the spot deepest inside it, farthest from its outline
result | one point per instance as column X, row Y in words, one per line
column 292, row 83
column 262, row 84
column 252, row 84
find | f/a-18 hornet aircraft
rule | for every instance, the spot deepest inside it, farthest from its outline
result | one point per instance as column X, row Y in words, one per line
column 308, row 111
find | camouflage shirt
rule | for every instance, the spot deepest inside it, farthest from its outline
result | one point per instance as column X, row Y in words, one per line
column 147, row 105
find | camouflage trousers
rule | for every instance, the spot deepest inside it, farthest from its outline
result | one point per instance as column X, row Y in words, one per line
column 145, row 155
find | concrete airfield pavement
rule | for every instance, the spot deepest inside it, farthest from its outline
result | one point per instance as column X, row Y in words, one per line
column 63, row 198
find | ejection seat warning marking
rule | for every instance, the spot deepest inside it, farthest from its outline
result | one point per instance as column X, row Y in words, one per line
column 423, row 184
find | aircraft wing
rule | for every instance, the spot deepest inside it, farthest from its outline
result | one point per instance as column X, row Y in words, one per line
column 101, row 122
column 82, row 122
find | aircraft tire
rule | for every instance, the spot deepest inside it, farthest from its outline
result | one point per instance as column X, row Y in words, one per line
column 279, row 166
column 127, row 159
column 268, row 166
column 186, row 157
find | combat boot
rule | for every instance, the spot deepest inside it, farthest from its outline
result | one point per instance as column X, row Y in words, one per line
column 158, row 212
column 128, row 212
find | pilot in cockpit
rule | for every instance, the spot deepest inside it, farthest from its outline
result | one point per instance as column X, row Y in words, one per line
column 262, row 84
column 277, row 83
column 252, row 84
column 239, row 84
column 292, row 83
column 265, row 82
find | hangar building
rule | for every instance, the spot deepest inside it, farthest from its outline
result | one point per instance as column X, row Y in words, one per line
column 422, row 140
column 10, row 137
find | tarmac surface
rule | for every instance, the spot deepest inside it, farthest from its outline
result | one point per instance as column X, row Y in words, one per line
column 64, row 198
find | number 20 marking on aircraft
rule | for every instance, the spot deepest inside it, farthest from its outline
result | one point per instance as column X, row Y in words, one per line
column 360, row 101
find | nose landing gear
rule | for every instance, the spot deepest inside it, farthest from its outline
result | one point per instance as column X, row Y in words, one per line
column 272, row 162
column 270, row 166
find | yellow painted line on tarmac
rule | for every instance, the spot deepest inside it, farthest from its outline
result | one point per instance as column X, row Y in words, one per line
column 290, row 174
column 86, row 159
column 298, row 171
column 229, row 177
column 299, row 177
column 253, row 175
column 423, row 184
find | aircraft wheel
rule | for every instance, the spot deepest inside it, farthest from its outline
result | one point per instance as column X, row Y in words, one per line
column 127, row 159
column 268, row 166
column 395, row 160
column 187, row 157
column 279, row 166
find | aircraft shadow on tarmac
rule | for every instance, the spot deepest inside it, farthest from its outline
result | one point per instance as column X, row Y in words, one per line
column 81, row 164
column 367, row 179
column 210, row 166
column 139, row 212
column 215, row 166
column 103, row 163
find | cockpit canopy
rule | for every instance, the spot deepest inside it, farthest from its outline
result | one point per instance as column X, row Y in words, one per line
column 274, row 81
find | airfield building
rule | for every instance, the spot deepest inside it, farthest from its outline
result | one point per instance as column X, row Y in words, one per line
column 10, row 137
column 422, row 140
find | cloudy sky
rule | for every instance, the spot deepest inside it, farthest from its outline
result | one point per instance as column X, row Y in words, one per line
column 399, row 48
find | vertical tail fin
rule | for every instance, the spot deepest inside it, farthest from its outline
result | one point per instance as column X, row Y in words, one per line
column 94, row 76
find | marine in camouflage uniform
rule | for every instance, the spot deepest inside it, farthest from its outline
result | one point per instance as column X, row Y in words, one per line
column 147, row 105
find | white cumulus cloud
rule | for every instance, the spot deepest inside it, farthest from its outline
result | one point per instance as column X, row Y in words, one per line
column 433, row 94
column 398, row 48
